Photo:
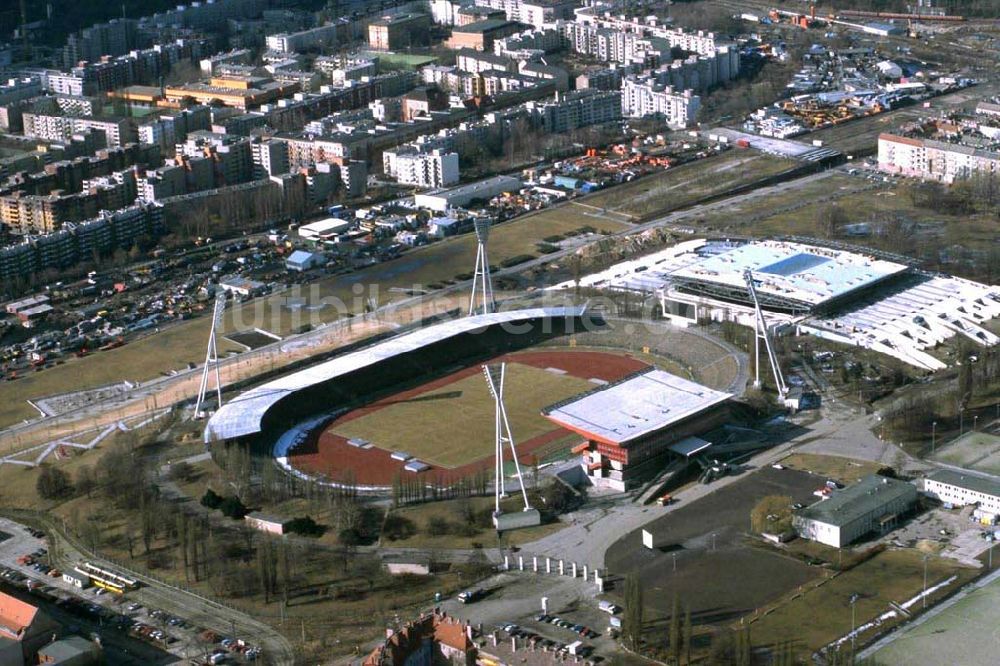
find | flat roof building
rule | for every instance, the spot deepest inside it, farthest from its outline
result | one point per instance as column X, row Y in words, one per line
column 629, row 426
column 482, row 34
column 457, row 197
column 962, row 489
column 873, row 504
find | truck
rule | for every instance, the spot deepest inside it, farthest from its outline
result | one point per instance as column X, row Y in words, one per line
column 665, row 500
column 470, row 596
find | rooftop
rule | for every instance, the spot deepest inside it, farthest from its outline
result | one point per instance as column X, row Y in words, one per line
column 804, row 275
column 15, row 616
column 859, row 499
column 243, row 414
column 484, row 26
column 627, row 410
column 971, row 482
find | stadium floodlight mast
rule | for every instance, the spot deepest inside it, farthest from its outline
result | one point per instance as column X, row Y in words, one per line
column 495, row 375
column 481, row 281
column 760, row 331
column 212, row 358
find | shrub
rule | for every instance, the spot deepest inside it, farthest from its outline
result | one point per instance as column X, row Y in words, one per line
column 547, row 248
column 349, row 536
column 53, row 483
column 515, row 260
column 398, row 527
column 555, row 238
column 232, row 507
column 211, row 499
column 306, row 526
column 438, row 526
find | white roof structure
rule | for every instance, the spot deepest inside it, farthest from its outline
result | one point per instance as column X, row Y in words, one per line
column 801, row 275
column 905, row 324
column 635, row 407
column 331, row 226
column 243, row 415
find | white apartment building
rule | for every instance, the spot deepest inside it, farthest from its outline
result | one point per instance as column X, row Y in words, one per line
column 575, row 109
column 292, row 42
column 961, row 489
column 936, row 160
column 645, row 97
column 434, row 169
column 270, row 157
column 61, row 128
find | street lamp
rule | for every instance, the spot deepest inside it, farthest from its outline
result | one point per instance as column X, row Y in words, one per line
column 713, row 542
column 975, row 422
column 675, row 562
column 923, row 596
column 854, row 599
column 933, row 436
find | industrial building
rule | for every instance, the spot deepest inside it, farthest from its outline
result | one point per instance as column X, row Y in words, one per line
column 873, row 504
column 458, row 197
column 632, row 426
column 964, row 489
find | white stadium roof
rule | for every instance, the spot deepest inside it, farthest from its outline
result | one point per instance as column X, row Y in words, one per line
column 805, row 274
column 636, row 406
column 243, row 415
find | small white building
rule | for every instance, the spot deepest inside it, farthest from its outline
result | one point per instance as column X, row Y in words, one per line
column 266, row 523
column 301, row 261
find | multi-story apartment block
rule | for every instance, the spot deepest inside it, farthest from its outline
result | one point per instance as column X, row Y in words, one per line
column 116, row 131
column 399, row 32
column 932, row 159
column 410, row 165
column 575, row 109
column 270, row 157
column 643, row 96
column 296, row 42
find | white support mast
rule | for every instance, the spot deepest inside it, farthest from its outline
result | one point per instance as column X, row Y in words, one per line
column 212, row 358
column 481, row 281
column 495, row 380
column 760, row 332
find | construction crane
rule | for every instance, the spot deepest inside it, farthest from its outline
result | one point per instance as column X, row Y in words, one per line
column 760, row 331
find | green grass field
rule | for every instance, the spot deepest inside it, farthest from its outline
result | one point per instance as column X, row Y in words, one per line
column 453, row 425
column 975, row 450
column 964, row 633
column 891, row 576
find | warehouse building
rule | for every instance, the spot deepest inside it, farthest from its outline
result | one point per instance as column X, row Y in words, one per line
column 873, row 504
column 458, row 197
column 633, row 426
column 960, row 489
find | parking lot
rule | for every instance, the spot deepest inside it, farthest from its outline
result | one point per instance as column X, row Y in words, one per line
column 120, row 619
column 512, row 607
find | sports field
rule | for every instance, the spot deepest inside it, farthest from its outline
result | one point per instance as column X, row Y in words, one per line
column 448, row 422
column 974, row 450
column 963, row 633
column 453, row 424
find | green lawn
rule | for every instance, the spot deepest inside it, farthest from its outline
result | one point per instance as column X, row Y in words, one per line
column 453, row 425
column 891, row 576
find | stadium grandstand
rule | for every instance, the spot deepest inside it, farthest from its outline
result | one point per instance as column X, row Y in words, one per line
column 280, row 404
column 631, row 427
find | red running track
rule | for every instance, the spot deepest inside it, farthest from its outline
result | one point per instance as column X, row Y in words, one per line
column 330, row 456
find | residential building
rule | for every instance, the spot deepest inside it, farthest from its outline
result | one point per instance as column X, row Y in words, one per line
column 354, row 178
column 401, row 31
column 933, row 159
column 575, row 109
column 642, row 97
column 296, row 42
column 872, row 505
column 115, row 131
column 433, row 638
column 435, row 168
column 270, row 157
column 481, row 35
